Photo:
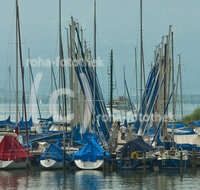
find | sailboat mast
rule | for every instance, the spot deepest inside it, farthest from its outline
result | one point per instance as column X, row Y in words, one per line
column 9, row 70
column 181, row 91
column 136, row 83
column 173, row 93
column 16, row 65
column 29, row 60
column 52, row 87
column 141, row 54
column 165, row 91
column 94, row 114
column 60, row 74
column 59, row 83
column 23, row 87
column 125, row 94
column 111, row 86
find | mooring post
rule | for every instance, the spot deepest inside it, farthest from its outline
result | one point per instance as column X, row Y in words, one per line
column 181, row 160
column 193, row 160
column 144, row 160
column 104, row 161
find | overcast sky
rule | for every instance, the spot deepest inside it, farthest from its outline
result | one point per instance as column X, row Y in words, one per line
column 117, row 29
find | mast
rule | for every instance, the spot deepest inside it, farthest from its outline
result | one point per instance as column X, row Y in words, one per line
column 173, row 112
column 165, row 91
column 52, row 87
column 61, row 76
column 136, row 83
column 125, row 94
column 141, row 54
column 9, row 70
column 179, row 55
column 16, row 65
column 94, row 114
column 23, row 87
column 59, row 83
column 71, row 78
column 111, row 86
column 29, row 60
column 22, row 118
column 177, row 83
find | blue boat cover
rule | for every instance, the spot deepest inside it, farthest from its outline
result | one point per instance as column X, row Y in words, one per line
column 179, row 129
column 4, row 123
column 188, row 147
column 195, row 123
column 22, row 124
column 91, row 152
column 55, row 152
column 137, row 145
column 50, row 119
column 50, row 136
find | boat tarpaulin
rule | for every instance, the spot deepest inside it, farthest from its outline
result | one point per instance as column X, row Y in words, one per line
column 55, row 152
column 91, row 152
column 195, row 123
column 136, row 145
column 11, row 149
column 50, row 119
column 179, row 129
column 4, row 123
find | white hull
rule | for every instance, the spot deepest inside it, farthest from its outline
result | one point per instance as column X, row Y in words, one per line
column 89, row 165
column 12, row 164
column 52, row 164
column 183, row 139
column 187, row 139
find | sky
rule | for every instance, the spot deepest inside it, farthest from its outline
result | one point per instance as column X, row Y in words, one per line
column 117, row 29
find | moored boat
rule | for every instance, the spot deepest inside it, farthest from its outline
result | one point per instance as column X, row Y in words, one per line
column 91, row 156
column 135, row 154
column 52, row 158
column 172, row 159
column 12, row 153
column 121, row 103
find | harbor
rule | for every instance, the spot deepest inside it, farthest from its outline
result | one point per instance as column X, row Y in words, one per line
column 98, row 101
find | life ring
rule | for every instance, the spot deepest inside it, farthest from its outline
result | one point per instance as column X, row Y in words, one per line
column 134, row 155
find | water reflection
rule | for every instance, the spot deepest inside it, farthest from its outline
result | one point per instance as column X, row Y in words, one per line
column 13, row 179
column 71, row 179
column 87, row 179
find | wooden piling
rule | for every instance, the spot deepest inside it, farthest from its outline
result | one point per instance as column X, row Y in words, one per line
column 193, row 159
column 144, row 160
column 181, row 160
column 104, row 161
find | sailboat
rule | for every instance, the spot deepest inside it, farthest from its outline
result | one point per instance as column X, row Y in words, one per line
column 52, row 158
column 91, row 156
column 12, row 154
column 131, row 155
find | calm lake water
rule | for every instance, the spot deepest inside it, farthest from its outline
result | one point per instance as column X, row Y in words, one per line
column 138, row 179
column 6, row 110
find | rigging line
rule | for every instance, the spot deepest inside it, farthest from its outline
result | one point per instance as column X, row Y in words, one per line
column 129, row 96
column 190, row 89
column 54, row 78
column 34, row 89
